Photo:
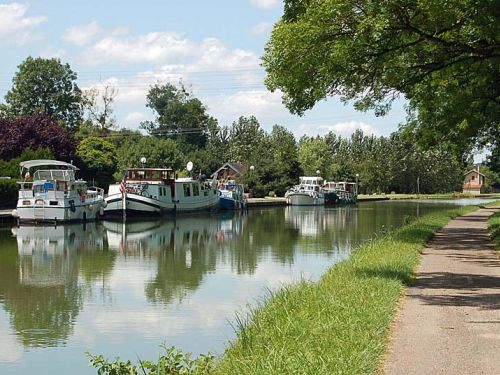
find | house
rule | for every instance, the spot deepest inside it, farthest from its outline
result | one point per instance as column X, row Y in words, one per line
column 229, row 171
column 474, row 181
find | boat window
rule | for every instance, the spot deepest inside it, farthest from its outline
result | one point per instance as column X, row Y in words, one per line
column 38, row 189
column 187, row 190
column 196, row 190
column 161, row 191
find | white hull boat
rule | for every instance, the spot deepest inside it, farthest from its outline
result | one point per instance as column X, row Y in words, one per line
column 54, row 195
column 307, row 193
column 305, row 199
column 155, row 191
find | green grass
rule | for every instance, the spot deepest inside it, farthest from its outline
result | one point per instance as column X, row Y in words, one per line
column 494, row 226
column 339, row 325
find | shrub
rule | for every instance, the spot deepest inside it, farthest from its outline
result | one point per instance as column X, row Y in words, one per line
column 8, row 193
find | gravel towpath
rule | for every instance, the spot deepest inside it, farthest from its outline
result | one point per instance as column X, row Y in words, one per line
column 449, row 322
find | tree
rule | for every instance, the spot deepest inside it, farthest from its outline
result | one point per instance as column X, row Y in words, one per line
column 158, row 153
column 179, row 116
column 98, row 104
column 444, row 59
column 34, row 132
column 286, row 166
column 45, row 86
column 314, row 155
column 98, row 160
column 246, row 141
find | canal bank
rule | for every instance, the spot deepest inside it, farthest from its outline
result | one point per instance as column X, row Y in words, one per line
column 448, row 323
column 340, row 324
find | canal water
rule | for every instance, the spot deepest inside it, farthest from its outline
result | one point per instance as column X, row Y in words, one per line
column 122, row 289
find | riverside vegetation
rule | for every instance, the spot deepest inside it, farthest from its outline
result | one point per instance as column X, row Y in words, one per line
column 339, row 324
column 494, row 226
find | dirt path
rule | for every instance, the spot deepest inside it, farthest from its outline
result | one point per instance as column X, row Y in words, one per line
column 450, row 319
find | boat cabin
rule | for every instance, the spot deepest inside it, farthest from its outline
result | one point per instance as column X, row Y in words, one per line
column 349, row 187
column 316, row 181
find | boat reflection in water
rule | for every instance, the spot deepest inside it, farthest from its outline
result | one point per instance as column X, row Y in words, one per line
column 186, row 249
column 41, row 287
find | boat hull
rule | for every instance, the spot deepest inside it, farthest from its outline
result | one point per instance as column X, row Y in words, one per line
column 138, row 205
column 305, row 199
column 227, row 203
column 64, row 213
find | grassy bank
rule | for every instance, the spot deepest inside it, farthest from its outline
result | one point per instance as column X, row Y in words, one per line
column 340, row 324
column 455, row 195
column 494, row 227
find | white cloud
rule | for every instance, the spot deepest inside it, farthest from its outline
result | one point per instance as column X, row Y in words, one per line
column 133, row 119
column 154, row 47
column 264, row 4
column 15, row 26
column 51, row 52
column 262, row 28
column 259, row 103
column 82, row 35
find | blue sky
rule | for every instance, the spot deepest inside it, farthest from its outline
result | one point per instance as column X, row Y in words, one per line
column 214, row 47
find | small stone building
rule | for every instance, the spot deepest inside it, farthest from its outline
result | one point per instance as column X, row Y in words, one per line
column 474, row 181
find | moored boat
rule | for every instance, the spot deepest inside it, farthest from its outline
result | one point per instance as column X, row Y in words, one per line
column 340, row 192
column 307, row 193
column 232, row 196
column 54, row 194
column 156, row 191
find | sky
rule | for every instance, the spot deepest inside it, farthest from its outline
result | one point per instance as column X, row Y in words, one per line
column 213, row 47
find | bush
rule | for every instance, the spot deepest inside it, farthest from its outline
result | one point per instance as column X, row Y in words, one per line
column 10, row 168
column 172, row 362
column 8, row 193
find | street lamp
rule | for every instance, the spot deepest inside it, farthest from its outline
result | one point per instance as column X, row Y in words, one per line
column 143, row 161
column 357, row 176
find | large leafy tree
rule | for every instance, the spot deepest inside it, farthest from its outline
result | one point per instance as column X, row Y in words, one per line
column 159, row 153
column 179, row 115
column 98, row 160
column 34, row 132
column 45, row 86
column 444, row 58
column 286, row 166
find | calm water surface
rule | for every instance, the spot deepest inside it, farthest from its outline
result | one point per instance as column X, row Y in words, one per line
column 122, row 289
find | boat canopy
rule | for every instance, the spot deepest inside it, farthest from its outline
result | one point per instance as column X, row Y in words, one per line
column 45, row 162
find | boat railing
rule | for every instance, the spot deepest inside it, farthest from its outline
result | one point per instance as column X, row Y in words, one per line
column 96, row 192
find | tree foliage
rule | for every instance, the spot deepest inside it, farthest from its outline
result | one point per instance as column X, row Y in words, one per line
column 179, row 115
column 159, row 153
column 444, row 58
column 46, row 86
column 98, row 160
column 34, row 132
column 98, row 106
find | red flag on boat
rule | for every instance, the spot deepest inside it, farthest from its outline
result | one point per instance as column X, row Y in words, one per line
column 123, row 186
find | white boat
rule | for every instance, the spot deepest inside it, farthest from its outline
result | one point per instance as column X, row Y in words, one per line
column 155, row 191
column 55, row 195
column 307, row 193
